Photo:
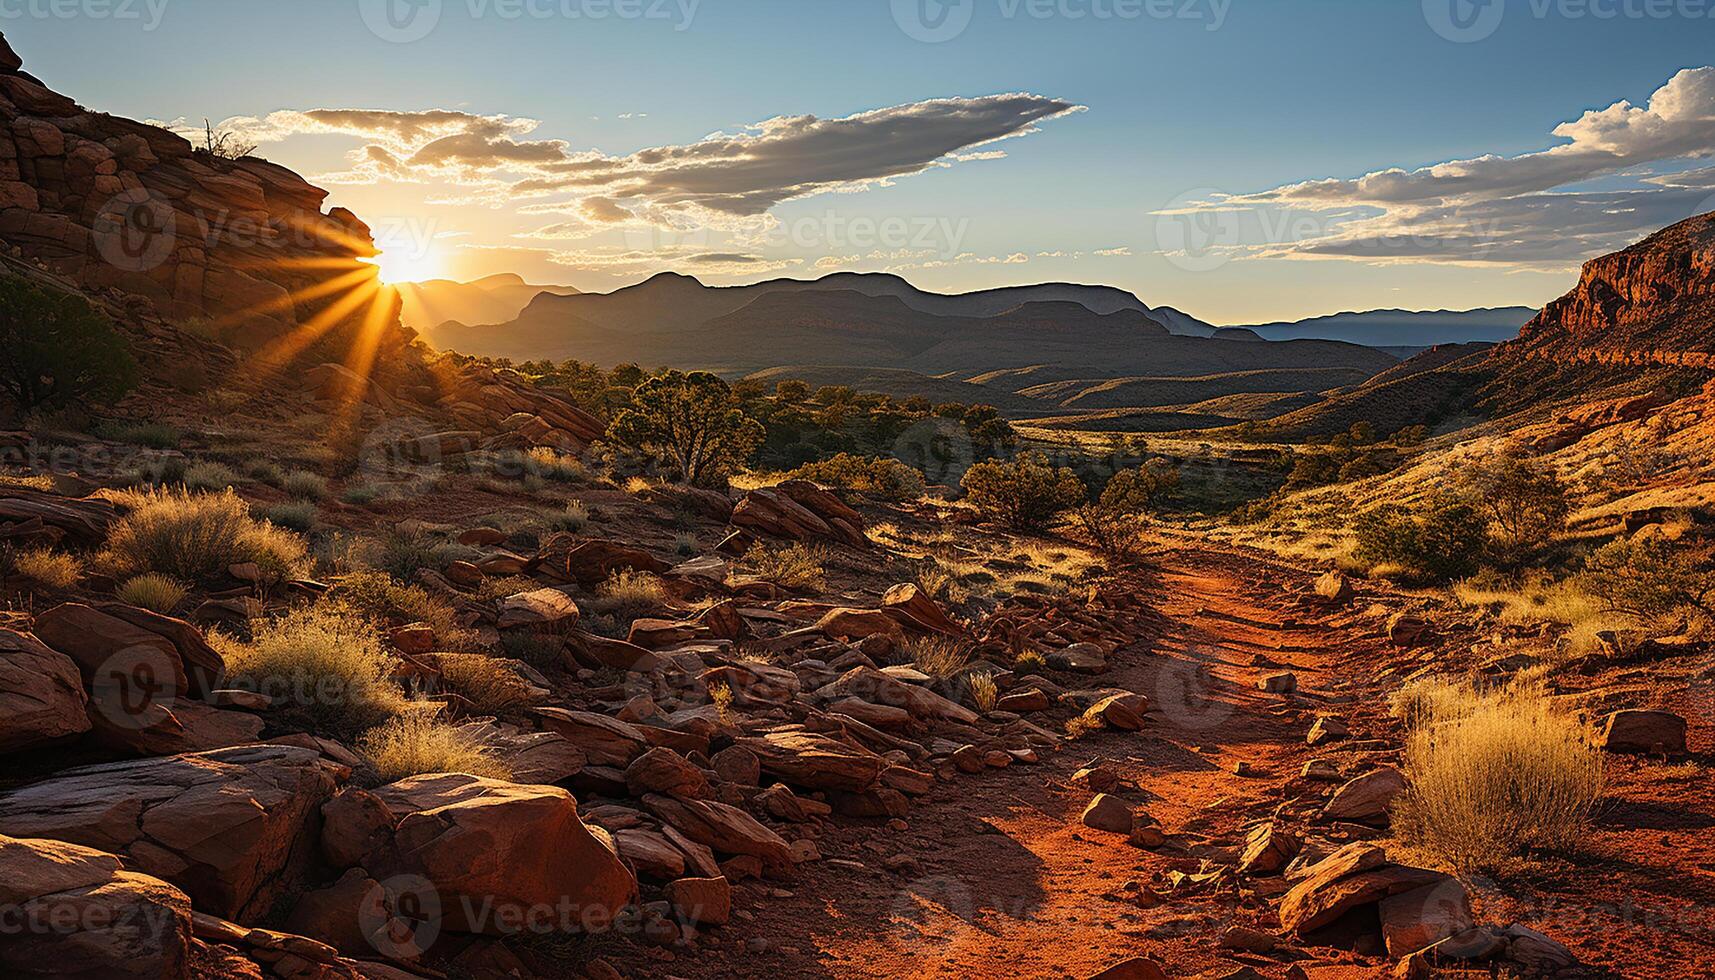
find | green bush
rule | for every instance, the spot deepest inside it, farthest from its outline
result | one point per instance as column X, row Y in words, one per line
column 878, row 478
column 694, row 421
column 1446, row 540
column 1525, row 501
column 1023, row 494
column 58, row 349
column 1652, row 576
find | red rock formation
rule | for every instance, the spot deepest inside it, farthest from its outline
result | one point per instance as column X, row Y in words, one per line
column 111, row 204
column 1650, row 307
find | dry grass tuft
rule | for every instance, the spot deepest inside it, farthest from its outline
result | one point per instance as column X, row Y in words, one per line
column 196, row 537
column 154, row 592
column 324, row 666
column 305, row 485
column 628, row 594
column 420, row 743
column 50, row 568
column 938, row 656
column 488, row 684
column 984, row 692
column 1494, row 774
column 794, row 566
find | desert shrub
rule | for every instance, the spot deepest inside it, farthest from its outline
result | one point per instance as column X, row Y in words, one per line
column 1446, row 540
column 154, row 435
column 1494, row 774
column 305, row 485
column 574, row 518
column 322, row 666
column 693, row 420
column 359, row 495
column 196, row 537
column 1525, row 501
column 296, row 515
column 1024, row 494
column 265, row 471
column 555, row 467
column 58, row 349
column 210, row 477
column 1112, row 521
column 984, row 693
column 376, row 596
column 53, row 569
column 878, row 478
column 720, row 695
column 154, row 592
column 938, row 656
column 539, row 650
column 1649, row 575
column 420, row 744
column 628, row 594
column 404, row 555
column 488, row 684
column 793, row 566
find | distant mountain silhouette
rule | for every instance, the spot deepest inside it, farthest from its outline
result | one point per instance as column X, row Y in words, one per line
column 1403, row 328
column 428, row 304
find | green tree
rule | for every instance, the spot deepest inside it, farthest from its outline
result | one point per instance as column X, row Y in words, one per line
column 58, row 349
column 1526, row 502
column 1444, row 540
column 1024, row 494
column 1113, row 521
column 693, row 420
column 792, row 392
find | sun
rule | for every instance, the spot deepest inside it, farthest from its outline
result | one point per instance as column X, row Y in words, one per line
column 407, row 265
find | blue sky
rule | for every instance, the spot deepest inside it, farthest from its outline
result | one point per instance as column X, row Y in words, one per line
column 1176, row 117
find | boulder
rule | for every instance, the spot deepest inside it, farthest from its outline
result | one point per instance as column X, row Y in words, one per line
column 41, row 694
column 738, row 765
column 851, row 625
column 73, row 912
column 604, row 741
column 1367, row 798
column 228, row 826
column 652, row 854
column 1422, row 917
column 1282, row 683
column 1334, row 588
column 662, row 770
column 777, row 515
column 1080, row 658
column 1109, row 813
column 497, row 853
column 543, row 609
column 1643, row 731
column 876, row 687
column 1120, row 711
column 1536, row 952
column 916, row 610
column 1268, row 849
column 1325, row 729
column 701, row 901
column 725, row 829
column 1352, row 877
column 590, row 562
column 815, row 761
column 1407, row 629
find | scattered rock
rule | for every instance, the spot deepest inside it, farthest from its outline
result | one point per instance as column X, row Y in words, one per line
column 1643, row 731
column 1367, row 798
column 1268, row 849
column 702, row 901
column 1109, row 813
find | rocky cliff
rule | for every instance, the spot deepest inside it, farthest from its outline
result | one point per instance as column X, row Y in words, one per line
column 136, row 214
column 1642, row 315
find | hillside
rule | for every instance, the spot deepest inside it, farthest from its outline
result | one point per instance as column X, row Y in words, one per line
column 1403, row 328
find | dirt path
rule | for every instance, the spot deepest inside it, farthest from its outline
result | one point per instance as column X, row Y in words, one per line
column 1005, row 881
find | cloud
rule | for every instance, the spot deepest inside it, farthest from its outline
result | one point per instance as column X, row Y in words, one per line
column 1548, row 208
column 727, row 180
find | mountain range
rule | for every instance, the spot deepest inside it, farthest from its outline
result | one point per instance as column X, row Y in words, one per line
column 428, row 304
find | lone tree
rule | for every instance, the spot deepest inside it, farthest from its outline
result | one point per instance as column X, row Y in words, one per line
column 58, row 349
column 1113, row 521
column 1525, row 501
column 692, row 420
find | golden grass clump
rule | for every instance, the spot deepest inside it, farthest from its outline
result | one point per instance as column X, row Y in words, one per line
column 53, row 569
column 322, row 665
column 938, row 656
column 196, row 537
column 154, row 592
column 629, row 594
column 1493, row 774
column 794, row 566
column 488, row 684
column 984, row 692
column 420, row 743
